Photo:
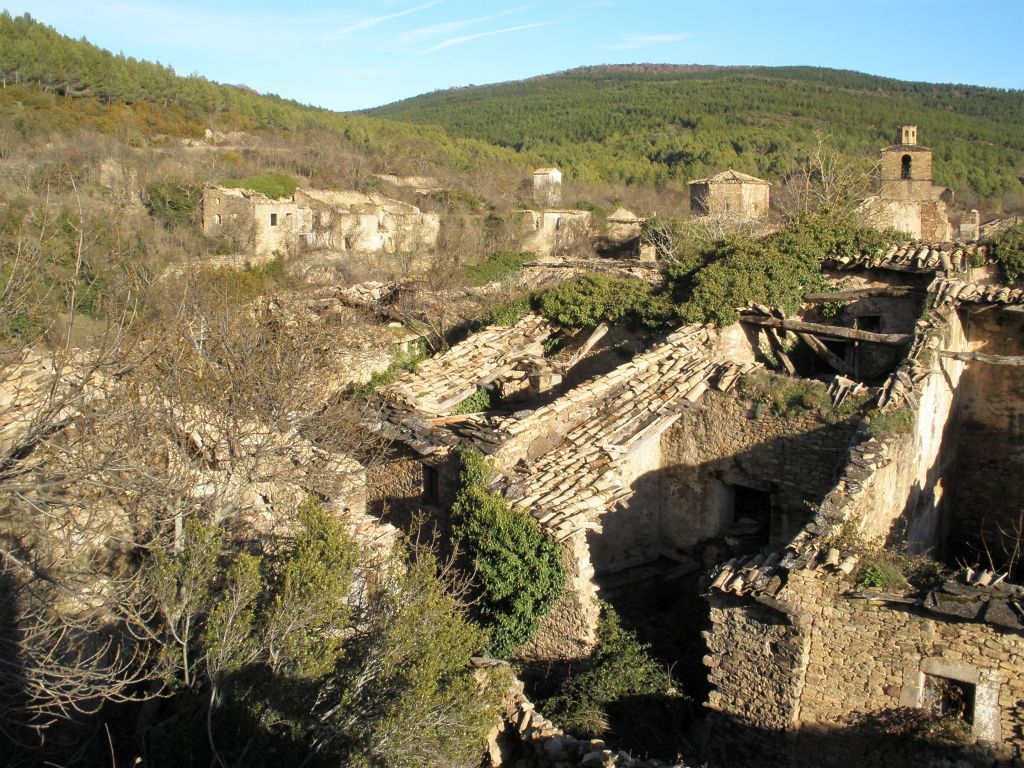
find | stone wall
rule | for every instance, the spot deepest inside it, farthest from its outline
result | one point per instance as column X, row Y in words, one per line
column 569, row 631
column 735, row 441
column 989, row 473
column 806, row 675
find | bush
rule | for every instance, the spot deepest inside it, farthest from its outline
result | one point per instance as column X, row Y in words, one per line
column 620, row 669
column 519, row 570
column 776, row 270
column 1008, row 251
column 506, row 314
column 480, row 400
column 788, row 397
column 243, row 285
column 593, row 299
column 499, row 266
column 899, row 421
column 173, row 203
column 400, row 361
column 273, row 185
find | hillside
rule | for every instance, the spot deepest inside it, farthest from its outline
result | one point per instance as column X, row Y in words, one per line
column 655, row 124
column 51, row 83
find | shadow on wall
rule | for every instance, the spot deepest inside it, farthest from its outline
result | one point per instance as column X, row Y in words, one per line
column 896, row 738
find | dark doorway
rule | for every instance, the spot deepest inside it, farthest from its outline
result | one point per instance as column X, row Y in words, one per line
column 431, row 485
column 905, row 169
column 752, row 518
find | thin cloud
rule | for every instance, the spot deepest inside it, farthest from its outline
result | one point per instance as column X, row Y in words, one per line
column 373, row 21
column 467, row 38
column 632, row 42
column 450, row 27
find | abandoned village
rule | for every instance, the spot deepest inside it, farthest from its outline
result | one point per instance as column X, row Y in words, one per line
column 667, row 478
column 799, row 519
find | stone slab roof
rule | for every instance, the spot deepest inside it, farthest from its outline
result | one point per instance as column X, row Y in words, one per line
column 442, row 382
column 731, row 177
column 915, row 256
column 571, row 486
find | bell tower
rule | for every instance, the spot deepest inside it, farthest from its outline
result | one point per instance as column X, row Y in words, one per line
column 907, row 168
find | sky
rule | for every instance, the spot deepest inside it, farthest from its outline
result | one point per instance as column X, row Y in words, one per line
column 345, row 56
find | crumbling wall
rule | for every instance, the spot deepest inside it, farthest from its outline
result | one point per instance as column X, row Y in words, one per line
column 756, row 659
column 989, row 475
column 867, row 655
column 569, row 631
column 736, row 441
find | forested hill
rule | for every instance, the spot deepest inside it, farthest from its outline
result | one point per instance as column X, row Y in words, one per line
column 655, row 123
column 50, row 82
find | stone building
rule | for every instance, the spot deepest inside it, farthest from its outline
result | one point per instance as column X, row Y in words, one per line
column 907, row 198
column 547, row 187
column 555, row 231
column 252, row 220
column 812, row 655
column 317, row 220
column 730, row 194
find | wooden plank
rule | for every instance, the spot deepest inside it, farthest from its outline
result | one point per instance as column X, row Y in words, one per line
column 896, row 292
column 829, row 331
column 826, row 354
column 780, row 351
column 979, row 357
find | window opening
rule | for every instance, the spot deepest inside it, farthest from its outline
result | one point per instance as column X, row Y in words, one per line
column 905, row 167
column 273, row 219
column 431, row 485
column 944, row 697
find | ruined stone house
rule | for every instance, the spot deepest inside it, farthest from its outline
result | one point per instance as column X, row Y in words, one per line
column 547, row 187
column 803, row 649
column 317, row 220
column 908, row 200
column 555, row 231
column 730, row 194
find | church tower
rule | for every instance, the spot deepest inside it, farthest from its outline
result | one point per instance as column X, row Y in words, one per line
column 907, row 168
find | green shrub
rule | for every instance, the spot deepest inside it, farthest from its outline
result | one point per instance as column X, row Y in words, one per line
column 518, row 569
column 881, row 573
column 1008, row 251
column 273, row 185
column 899, row 421
column 242, row 285
column 400, row 361
column 788, row 397
column 593, row 299
column 776, row 270
column 620, row 669
column 499, row 266
column 173, row 203
column 480, row 400
column 506, row 314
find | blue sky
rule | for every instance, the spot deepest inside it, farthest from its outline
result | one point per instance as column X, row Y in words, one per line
column 346, row 55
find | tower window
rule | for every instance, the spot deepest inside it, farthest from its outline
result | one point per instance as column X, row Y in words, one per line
column 905, row 167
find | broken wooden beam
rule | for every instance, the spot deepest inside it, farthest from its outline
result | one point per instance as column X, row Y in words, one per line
column 979, row 357
column 780, row 351
column 826, row 354
column 894, row 292
column 830, row 331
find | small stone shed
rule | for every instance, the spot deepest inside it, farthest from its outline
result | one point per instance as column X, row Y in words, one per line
column 730, row 194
